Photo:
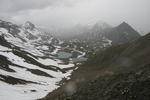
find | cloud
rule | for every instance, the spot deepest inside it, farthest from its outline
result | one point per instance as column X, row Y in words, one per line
column 19, row 5
column 64, row 13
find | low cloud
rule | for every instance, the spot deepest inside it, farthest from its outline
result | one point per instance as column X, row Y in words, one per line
column 20, row 5
column 64, row 13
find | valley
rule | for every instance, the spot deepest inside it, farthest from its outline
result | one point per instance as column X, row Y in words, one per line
column 92, row 65
column 74, row 50
column 32, row 62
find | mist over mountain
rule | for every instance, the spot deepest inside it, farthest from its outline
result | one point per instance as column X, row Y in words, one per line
column 120, row 72
column 33, row 61
column 74, row 50
column 28, row 50
column 100, row 34
column 68, row 13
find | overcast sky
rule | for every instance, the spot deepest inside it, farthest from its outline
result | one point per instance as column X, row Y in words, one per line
column 65, row 13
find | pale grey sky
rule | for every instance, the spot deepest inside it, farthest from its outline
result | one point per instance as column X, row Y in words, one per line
column 65, row 13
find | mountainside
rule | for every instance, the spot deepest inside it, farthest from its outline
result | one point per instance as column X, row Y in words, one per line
column 102, row 35
column 122, row 34
column 120, row 72
column 32, row 62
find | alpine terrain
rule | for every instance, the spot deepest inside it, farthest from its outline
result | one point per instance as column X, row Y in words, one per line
column 101, row 62
column 32, row 62
column 74, row 50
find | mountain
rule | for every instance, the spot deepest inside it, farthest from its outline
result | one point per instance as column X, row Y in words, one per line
column 122, row 33
column 101, row 35
column 32, row 62
column 28, row 25
column 120, row 72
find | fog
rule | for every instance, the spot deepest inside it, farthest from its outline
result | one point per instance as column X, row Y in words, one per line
column 68, row 13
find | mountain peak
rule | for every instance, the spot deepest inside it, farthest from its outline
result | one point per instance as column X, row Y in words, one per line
column 126, row 27
column 102, row 25
column 124, row 24
column 28, row 25
column 5, row 23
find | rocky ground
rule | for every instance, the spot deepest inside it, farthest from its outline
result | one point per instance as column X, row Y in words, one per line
column 118, row 73
column 134, row 85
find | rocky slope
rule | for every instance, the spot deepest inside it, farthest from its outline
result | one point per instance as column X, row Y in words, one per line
column 34, row 63
column 102, row 35
column 30, row 66
column 122, row 34
column 118, row 73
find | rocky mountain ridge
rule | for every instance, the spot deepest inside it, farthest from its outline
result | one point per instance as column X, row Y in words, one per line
column 120, row 72
column 32, row 62
column 101, row 35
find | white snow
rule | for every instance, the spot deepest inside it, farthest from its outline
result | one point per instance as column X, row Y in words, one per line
column 46, row 84
column 2, row 48
column 57, row 48
column 107, row 42
column 23, row 92
column 44, row 47
column 47, row 62
column 82, row 55
column 66, row 66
